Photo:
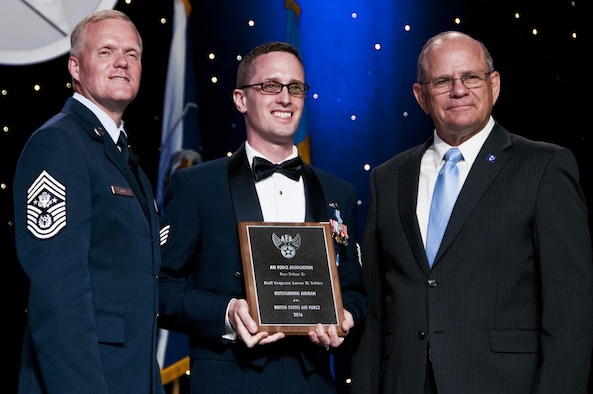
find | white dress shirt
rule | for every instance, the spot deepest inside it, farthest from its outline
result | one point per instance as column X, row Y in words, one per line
column 281, row 199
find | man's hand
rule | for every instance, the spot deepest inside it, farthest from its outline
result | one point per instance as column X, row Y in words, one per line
column 331, row 338
column 246, row 327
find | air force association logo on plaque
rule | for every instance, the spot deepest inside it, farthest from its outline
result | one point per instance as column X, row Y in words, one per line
column 287, row 244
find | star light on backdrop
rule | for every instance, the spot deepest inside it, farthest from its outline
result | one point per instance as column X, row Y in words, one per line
column 360, row 61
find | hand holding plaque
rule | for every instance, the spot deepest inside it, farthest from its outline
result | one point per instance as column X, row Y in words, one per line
column 291, row 276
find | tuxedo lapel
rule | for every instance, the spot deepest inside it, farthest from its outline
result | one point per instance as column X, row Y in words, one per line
column 242, row 185
column 314, row 197
column 244, row 195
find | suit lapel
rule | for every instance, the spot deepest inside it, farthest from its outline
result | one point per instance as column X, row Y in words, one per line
column 409, row 174
column 487, row 165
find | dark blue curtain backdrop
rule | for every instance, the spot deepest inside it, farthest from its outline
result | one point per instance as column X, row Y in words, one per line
column 360, row 60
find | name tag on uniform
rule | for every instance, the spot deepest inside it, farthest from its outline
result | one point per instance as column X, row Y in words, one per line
column 122, row 191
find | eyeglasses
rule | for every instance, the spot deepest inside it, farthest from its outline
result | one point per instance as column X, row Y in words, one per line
column 273, row 87
column 471, row 80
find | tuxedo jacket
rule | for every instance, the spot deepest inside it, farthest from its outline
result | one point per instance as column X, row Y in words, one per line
column 506, row 307
column 202, row 272
column 86, row 237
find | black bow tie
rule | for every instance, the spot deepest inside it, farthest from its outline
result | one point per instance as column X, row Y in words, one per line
column 262, row 168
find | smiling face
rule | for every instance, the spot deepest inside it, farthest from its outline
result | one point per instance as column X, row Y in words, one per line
column 461, row 112
column 108, row 68
column 271, row 119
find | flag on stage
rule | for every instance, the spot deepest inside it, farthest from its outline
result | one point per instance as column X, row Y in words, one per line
column 292, row 35
column 180, row 134
column 172, row 355
column 180, row 147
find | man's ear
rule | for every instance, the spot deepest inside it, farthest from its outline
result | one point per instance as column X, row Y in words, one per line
column 73, row 67
column 239, row 100
column 495, row 85
column 420, row 95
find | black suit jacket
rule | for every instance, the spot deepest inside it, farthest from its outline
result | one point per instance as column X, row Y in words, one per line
column 202, row 272
column 507, row 306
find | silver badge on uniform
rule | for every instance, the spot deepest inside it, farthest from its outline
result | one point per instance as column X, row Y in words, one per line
column 46, row 206
column 164, row 234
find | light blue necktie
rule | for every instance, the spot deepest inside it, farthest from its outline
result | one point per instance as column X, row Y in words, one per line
column 443, row 199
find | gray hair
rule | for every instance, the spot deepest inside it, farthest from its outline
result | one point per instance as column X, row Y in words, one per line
column 421, row 69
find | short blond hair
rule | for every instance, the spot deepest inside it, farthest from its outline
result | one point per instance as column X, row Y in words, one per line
column 77, row 36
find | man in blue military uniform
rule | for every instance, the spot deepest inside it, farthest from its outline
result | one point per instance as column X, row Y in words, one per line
column 86, row 229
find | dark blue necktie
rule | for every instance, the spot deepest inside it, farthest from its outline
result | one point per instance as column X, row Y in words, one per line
column 124, row 147
column 443, row 199
column 263, row 168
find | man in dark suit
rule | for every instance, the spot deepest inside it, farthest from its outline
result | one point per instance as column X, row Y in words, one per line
column 202, row 281
column 505, row 304
column 86, row 229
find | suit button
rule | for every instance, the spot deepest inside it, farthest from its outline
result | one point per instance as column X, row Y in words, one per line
column 237, row 275
column 432, row 283
column 421, row 335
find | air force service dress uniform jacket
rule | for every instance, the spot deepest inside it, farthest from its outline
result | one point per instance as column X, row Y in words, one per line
column 202, row 272
column 87, row 239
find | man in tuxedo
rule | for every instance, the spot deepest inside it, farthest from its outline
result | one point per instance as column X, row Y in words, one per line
column 502, row 304
column 202, row 280
column 86, row 229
